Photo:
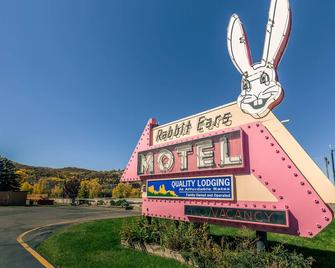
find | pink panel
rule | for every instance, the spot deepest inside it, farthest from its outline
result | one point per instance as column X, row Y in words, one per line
column 271, row 165
column 130, row 172
column 267, row 161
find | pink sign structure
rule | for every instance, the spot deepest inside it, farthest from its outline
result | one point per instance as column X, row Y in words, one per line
column 262, row 169
column 236, row 164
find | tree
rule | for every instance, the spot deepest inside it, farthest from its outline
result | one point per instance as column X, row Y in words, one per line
column 90, row 188
column 71, row 189
column 27, row 187
column 23, row 175
column 9, row 180
column 84, row 189
column 94, row 188
column 56, row 191
column 40, row 187
column 122, row 190
column 135, row 192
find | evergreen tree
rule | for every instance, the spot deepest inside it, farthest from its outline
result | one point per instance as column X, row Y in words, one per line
column 9, row 180
column 71, row 189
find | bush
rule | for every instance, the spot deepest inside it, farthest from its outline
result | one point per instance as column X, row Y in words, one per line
column 140, row 231
column 100, row 202
column 84, row 202
column 119, row 203
column 196, row 245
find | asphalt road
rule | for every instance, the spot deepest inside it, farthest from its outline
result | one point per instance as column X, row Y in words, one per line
column 16, row 220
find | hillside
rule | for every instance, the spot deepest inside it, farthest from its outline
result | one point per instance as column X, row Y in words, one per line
column 34, row 174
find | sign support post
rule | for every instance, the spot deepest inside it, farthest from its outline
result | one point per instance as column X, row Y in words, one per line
column 327, row 164
column 333, row 165
column 149, row 219
column 262, row 241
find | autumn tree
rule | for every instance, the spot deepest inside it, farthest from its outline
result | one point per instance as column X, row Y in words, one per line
column 41, row 187
column 9, row 180
column 71, row 189
column 90, row 188
column 122, row 190
column 84, row 189
column 56, row 191
column 94, row 188
column 23, row 175
column 135, row 192
column 27, row 187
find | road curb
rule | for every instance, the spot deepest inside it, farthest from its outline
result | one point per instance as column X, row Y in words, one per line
column 41, row 259
column 34, row 253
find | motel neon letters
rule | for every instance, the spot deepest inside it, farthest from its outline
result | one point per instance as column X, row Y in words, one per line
column 217, row 152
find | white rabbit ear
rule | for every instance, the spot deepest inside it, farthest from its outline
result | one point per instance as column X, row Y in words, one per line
column 277, row 32
column 238, row 46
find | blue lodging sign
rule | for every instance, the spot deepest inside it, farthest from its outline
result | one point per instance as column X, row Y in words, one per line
column 195, row 188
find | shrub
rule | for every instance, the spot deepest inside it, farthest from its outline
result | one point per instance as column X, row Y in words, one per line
column 100, row 202
column 119, row 203
column 122, row 203
column 140, row 231
column 84, row 202
column 196, row 245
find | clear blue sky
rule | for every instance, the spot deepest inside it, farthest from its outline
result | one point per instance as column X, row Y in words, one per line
column 79, row 79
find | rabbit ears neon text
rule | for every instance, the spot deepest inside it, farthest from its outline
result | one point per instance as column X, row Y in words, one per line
column 260, row 89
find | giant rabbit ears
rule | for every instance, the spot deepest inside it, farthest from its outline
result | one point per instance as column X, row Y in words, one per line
column 238, row 45
column 277, row 32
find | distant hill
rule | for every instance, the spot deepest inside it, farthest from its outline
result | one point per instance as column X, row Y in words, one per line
column 111, row 177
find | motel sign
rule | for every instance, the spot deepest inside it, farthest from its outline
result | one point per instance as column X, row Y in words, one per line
column 211, row 153
column 236, row 164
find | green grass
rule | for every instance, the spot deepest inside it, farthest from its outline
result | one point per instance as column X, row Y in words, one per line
column 97, row 244
column 321, row 247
